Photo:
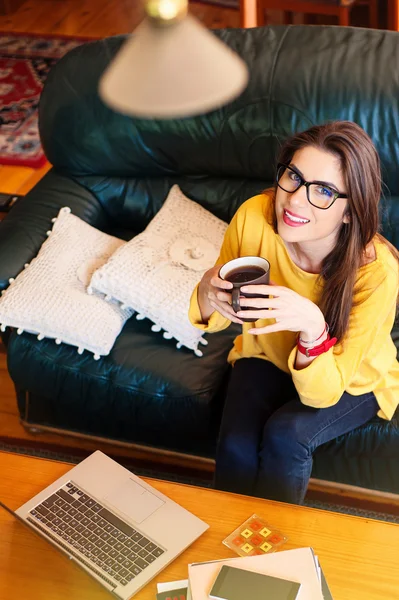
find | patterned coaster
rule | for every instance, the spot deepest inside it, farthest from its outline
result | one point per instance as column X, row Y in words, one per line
column 255, row 536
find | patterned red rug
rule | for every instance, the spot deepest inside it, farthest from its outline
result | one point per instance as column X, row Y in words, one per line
column 25, row 61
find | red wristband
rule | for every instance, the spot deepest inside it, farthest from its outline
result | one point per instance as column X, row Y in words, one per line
column 311, row 342
column 317, row 350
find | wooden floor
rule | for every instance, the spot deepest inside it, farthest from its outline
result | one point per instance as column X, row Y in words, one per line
column 96, row 19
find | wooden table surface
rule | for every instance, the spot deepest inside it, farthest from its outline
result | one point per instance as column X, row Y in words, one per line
column 360, row 557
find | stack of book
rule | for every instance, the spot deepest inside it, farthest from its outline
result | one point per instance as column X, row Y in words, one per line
column 286, row 575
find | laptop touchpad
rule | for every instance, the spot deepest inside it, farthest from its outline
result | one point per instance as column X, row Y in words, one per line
column 134, row 500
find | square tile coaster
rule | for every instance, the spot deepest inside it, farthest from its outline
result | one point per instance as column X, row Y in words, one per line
column 253, row 537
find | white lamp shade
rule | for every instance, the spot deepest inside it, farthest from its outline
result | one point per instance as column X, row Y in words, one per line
column 172, row 71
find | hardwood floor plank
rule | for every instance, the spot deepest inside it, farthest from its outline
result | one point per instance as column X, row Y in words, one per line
column 48, row 15
column 12, row 179
column 32, row 180
column 22, row 19
column 72, row 17
column 112, row 20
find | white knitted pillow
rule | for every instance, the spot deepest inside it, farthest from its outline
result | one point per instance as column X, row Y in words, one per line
column 49, row 297
column 156, row 272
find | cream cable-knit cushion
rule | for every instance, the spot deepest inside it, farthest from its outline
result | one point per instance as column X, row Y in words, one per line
column 156, row 272
column 49, row 297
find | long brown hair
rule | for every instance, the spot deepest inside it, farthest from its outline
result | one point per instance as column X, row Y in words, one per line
column 360, row 166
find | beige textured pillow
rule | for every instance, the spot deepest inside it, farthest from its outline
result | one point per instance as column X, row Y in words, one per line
column 49, row 297
column 156, row 272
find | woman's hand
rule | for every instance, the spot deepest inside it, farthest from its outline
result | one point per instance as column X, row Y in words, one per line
column 215, row 294
column 291, row 311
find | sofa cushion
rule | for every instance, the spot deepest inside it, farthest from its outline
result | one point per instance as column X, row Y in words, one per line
column 155, row 273
column 146, row 391
column 49, row 296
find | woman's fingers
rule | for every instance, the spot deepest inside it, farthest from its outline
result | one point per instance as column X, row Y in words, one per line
column 221, row 283
column 255, row 314
column 234, row 319
column 230, row 317
column 226, row 311
column 259, row 302
column 268, row 329
column 224, row 297
column 218, row 296
column 265, row 290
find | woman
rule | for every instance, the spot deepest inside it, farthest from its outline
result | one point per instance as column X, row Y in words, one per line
column 319, row 361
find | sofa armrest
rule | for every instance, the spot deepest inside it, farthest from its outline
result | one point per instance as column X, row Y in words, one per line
column 23, row 231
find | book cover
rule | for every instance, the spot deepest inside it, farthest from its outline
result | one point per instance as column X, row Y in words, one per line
column 237, row 584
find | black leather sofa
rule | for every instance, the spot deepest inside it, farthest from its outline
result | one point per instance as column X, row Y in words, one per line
column 115, row 172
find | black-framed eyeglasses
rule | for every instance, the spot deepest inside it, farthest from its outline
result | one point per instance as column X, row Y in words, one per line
column 318, row 193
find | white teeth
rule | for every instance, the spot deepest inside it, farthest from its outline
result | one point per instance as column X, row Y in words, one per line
column 296, row 219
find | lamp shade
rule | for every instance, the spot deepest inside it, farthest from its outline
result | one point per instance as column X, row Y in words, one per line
column 176, row 70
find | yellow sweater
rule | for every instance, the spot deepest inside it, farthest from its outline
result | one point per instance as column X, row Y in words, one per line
column 366, row 359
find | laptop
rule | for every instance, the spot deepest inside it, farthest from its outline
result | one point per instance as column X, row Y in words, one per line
column 114, row 525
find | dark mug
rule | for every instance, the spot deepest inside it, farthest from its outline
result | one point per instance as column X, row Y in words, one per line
column 246, row 270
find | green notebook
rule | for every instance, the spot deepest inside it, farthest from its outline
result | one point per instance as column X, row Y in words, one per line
column 237, row 584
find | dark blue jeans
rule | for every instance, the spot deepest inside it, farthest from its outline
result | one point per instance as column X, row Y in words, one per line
column 267, row 436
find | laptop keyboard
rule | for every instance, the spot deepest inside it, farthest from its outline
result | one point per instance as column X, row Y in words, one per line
column 118, row 551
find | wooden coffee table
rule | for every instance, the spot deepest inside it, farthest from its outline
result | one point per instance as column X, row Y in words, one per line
column 360, row 557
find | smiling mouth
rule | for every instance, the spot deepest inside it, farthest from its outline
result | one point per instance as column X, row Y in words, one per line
column 290, row 218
